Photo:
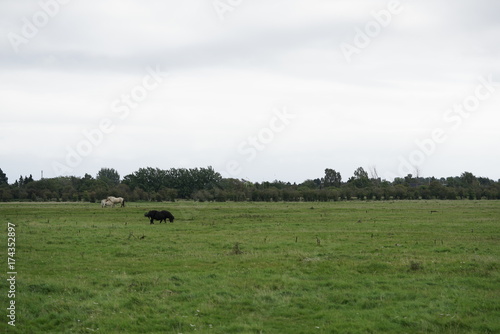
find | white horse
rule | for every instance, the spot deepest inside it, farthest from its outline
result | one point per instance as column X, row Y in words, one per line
column 106, row 202
column 116, row 200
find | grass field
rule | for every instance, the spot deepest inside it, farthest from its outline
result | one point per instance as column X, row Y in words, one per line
column 340, row 267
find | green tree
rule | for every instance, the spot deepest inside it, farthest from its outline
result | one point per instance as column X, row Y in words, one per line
column 185, row 181
column 437, row 190
column 360, row 178
column 360, row 173
column 148, row 179
column 311, row 184
column 468, row 179
column 3, row 178
column 109, row 175
column 332, row 178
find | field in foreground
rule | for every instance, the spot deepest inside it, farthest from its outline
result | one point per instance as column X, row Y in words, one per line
column 342, row 267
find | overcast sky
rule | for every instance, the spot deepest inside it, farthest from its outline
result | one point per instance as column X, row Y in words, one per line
column 258, row 89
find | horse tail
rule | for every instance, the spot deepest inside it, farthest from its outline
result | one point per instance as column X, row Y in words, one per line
column 123, row 203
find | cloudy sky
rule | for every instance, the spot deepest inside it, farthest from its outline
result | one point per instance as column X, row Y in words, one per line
column 258, row 89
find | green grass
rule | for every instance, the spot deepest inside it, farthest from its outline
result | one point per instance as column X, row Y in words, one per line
column 342, row 267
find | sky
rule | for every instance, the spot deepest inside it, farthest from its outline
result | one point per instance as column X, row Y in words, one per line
column 260, row 90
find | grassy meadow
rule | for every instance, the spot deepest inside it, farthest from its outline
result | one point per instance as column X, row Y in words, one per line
column 339, row 267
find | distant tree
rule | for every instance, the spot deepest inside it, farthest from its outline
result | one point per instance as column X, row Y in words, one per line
column 185, row 181
column 188, row 181
column 437, row 190
column 360, row 173
column 205, row 184
column 3, row 178
column 291, row 195
column 20, row 182
column 332, row 178
column 410, row 180
column 148, row 179
column 168, row 194
column 280, row 184
column 484, row 181
column 376, row 180
column 233, row 184
column 5, row 193
column 87, row 183
column 360, row 178
column 451, row 193
column 205, row 178
column 468, row 179
column 311, row 184
column 23, row 181
column 109, row 175
column 453, row 181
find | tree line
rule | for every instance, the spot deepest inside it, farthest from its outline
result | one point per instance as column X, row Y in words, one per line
column 205, row 184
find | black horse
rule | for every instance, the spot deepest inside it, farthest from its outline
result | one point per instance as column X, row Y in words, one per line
column 159, row 215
